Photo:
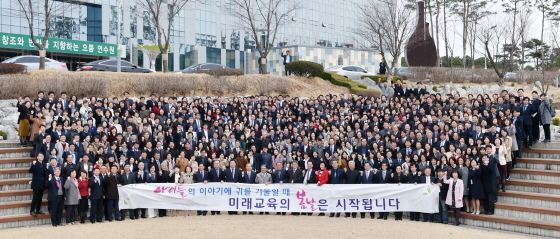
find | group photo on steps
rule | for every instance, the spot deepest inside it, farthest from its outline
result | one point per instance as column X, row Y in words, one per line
column 85, row 148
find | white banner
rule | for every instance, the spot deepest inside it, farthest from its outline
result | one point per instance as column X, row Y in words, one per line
column 282, row 197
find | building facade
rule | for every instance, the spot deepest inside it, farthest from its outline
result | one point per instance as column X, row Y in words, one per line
column 204, row 31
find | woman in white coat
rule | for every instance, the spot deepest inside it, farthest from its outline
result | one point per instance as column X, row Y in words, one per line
column 501, row 150
column 455, row 194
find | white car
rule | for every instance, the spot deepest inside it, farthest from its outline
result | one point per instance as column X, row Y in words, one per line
column 32, row 63
column 350, row 72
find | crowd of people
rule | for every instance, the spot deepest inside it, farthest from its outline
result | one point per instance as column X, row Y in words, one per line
column 86, row 147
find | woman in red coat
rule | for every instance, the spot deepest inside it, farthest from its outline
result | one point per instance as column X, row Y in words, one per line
column 322, row 175
column 83, row 188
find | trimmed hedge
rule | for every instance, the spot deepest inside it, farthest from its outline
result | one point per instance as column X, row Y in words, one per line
column 355, row 87
column 12, row 68
column 383, row 78
column 223, row 72
column 304, row 68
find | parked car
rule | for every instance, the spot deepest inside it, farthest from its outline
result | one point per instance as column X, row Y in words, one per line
column 201, row 68
column 32, row 63
column 111, row 65
column 351, row 72
column 510, row 76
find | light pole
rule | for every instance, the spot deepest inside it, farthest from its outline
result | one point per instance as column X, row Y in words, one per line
column 118, row 35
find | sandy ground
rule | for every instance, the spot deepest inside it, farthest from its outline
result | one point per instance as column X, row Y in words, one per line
column 255, row 226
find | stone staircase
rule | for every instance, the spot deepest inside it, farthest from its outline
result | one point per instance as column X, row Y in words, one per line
column 531, row 203
column 15, row 192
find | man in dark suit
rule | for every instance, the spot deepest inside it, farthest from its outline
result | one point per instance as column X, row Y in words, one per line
column 336, row 176
column 419, row 91
column 352, row 177
column 427, row 179
column 368, row 177
column 442, row 216
column 383, row 177
column 287, row 58
column 96, row 197
column 279, row 176
column 309, row 178
column 141, row 178
column 216, row 175
column 527, row 111
column 536, row 103
column 248, row 178
column 203, row 160
column 111, row 184
column 414, row 178
column 294, row 173
column 127, row 177
column 39, row 173
column 364, row 148
column 232, row 175
column 201, row 176
column 55, row 184
column 520, row 135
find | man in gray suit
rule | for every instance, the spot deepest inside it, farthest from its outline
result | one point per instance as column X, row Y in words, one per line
column 127, row 177
column 263, row 178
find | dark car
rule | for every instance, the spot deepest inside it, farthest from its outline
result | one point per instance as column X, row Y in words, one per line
column 111, row 65
column 202, row 68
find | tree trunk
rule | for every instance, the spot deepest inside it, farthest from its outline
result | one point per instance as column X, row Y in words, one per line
column 153, row 64
column 42, row 55
column 164, row 61
column 262, row 64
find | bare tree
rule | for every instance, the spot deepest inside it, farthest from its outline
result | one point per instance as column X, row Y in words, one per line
column 263, row 18
column 162, row 13
column 494, row 38
column 43, row 11
column 523, row 29
column 386, row 25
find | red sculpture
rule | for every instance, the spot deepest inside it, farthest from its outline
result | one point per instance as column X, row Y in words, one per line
column 421, row 49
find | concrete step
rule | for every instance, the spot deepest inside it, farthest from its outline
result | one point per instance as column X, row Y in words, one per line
column 537, row 214
column 18, row 195
column 536, row 175
column 529, row 199
column 15, row 152
column 537, row 164
column 15, row 184
column 518, row 225
column 24, row 220
column 541, row 153
column 8, row 163
column 20, row 207
column 15, row 173
column 533, row 186
column 551, row 145
column 9, row 144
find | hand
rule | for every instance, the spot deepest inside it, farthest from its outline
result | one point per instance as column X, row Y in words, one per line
column 160, row 173
column 118, row 185
column 34, row 162
column 65, row 164
column 329, row 172
column 392, row 176
column 96, row 179
column 50, row 176
column 80, row 160
column 221, row 181
column 205, row 181
column 281, row 182
column 316, row 172
column 89, row 193
column 439, row 184
column 68, row 177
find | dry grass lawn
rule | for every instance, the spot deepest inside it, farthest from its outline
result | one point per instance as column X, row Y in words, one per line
column 112, row 84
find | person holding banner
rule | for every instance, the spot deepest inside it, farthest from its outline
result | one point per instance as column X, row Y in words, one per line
column 152, row 178
column 216, row 175
column 232, row 175
column 368, row 177
column 336, row 176
column 201, row 176
column 414, row 178
column 248, row 177
column 263, row 178
column 398, row 178
column 322, row 177
column 295, row 175
column 382, row 177
column 352, row 177
column 428, row 179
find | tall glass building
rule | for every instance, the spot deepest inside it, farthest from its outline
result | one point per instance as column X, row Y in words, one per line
column 204, row 31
